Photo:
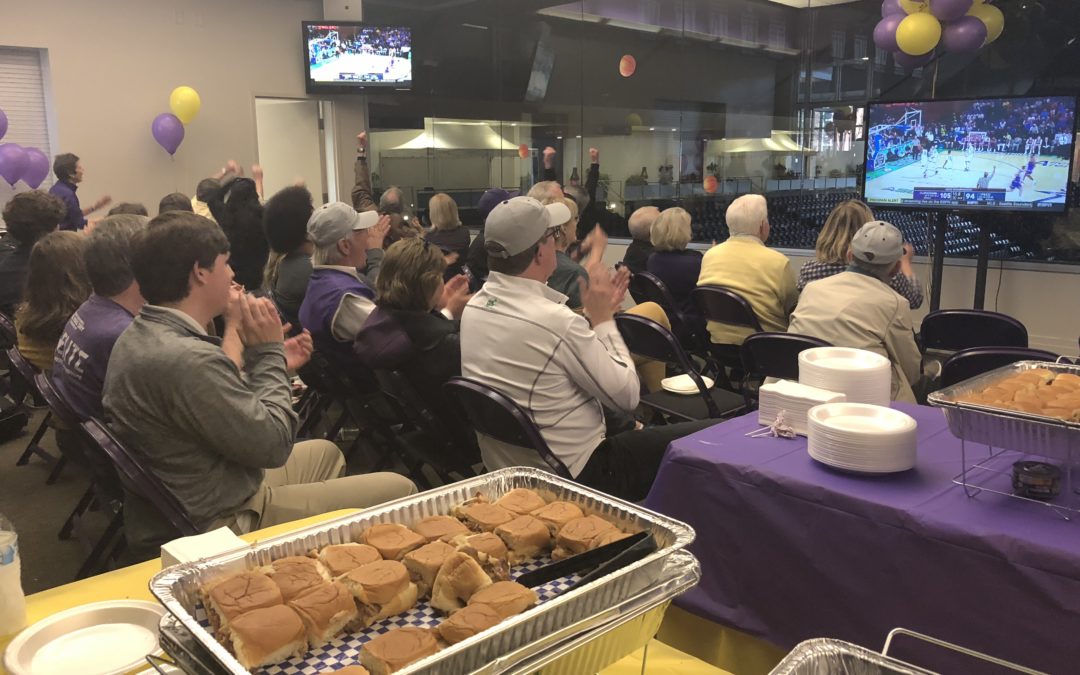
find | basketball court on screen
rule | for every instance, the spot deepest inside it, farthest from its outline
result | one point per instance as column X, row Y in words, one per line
column 363, row 66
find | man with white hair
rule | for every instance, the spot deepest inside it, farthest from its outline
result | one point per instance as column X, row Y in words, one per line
column 857, row 308
column 639, row 250
column 744, row 264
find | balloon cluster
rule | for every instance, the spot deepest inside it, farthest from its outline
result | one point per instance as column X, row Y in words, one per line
column 913, row 29
column 168, row 128
column 29, row 165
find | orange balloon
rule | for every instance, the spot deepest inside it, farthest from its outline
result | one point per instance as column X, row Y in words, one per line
column 523, row 151
column 627, row 65
column 711, row 184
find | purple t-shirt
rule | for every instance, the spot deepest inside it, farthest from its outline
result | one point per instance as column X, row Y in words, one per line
column 82, row 354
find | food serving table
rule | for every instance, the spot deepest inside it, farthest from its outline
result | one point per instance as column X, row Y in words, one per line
column 792, row 550
column 132, row 583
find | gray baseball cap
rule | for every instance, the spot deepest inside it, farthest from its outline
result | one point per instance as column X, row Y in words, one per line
column 878, row 243
column 333, row 222
column 518, row 223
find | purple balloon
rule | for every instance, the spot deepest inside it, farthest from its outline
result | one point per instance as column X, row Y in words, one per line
column 909, row 62
column 12, row 163
column 3, row 124
column 890, row 7
column 950, row 10
column 966, row 35
column 885, row 32
column 168, row 131
column 37, row 167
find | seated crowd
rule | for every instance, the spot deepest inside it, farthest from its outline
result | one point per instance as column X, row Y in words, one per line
column 181, row 332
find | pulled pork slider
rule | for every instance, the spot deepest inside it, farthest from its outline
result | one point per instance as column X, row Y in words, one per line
column 229, row 598
column 424, row 563
column 489, row 550
column 467, row 622
column 440, row 527
column 483, row 517
column 326, row 611
column 557, row 514
column 521, row 501
column 578, row 535
column 392, row 541
column 392, row 651
column 526, row 537
column 381, row 589
column 507, row 598
column 341, row 558
column 297, row 575
column 609, row 537
column 347, row 670
column 266, row 636
column 459, row 577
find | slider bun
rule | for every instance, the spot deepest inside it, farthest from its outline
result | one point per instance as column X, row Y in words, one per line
column 424, row 564
column 577, row 535
column 267, row 635
column 458, row 579
column 229, row 598
column 347, row 670
column 397, row 648
column 507, row 598
column 521, row 501
column 484, row 517
column 402, row 602
column 392, row 540
column 467, row 622
column 609, row 537
column 439, row 527
column 526, row 536
column 377, row 583
column 341, row 558
column 297, row 575
column 325, row 611
column 557, row 514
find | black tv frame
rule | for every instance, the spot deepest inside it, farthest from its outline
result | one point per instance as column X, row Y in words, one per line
column 961, row 208
column 313, row 87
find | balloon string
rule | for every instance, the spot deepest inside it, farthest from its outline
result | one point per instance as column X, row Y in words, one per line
column 933, row 85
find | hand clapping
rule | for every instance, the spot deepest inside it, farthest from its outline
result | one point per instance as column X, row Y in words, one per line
column 603, row 291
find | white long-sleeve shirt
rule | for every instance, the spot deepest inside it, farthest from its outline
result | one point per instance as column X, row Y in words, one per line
column 518, row 336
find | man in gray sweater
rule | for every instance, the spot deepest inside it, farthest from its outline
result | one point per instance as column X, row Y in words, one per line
column 220, row 438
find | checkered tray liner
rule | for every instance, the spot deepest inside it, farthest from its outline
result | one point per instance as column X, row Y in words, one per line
column 345, row 650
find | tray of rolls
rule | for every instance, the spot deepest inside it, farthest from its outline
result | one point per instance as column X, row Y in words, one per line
column 1029, row 406
column 423, row 584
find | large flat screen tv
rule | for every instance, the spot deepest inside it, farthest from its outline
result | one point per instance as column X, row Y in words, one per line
column 1011, row 154
column 348, row 56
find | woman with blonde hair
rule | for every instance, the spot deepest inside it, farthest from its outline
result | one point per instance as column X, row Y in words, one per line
column 57, row 283
column 447, row 232
column 567, row 272
column 674, row 264
column 830, row 253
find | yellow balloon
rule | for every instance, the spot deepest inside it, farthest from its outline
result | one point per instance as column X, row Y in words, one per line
column 918, row 34
column 185, row 103
column 992, row 17
column 913, row 6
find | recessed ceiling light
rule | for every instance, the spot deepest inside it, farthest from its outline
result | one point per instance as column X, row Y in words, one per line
column 578, row 136
column 513, row 124
column 674, row 129
column 652, row 128
column 558, row 138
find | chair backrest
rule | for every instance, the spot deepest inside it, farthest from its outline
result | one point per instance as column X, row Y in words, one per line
column 495, row 414
column 956, row 329
column 139, row 479
column 647, row 338
column 647, row 287
column 968, row 363
column 397, row 386
column 724, row 305
column 8, row 336
column 26, row 370
column 56, row 402
column 776, row 354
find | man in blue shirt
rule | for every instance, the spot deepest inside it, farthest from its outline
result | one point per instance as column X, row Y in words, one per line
column 69, row 173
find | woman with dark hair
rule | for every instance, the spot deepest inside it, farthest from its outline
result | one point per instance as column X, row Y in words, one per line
column 55, row 287
column 237, row 209
column 29, row 216
column 288, row 271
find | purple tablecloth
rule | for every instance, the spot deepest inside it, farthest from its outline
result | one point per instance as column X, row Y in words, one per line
column 792, row 550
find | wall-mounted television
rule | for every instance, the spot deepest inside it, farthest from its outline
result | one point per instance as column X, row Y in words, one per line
column 1012, row 154
column 347, row 56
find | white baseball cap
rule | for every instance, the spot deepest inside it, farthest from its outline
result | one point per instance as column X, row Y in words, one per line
column 516, row 224
column 333, row 222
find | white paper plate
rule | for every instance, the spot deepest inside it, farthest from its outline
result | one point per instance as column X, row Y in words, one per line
column 842, row 358
column 683, row 384
column 861, row 438
column 102, row 638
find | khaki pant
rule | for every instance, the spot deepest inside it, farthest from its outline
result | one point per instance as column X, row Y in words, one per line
column 310, row 484
column 651, row 372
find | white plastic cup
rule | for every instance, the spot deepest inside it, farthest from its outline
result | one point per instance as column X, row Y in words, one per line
column 12, row 599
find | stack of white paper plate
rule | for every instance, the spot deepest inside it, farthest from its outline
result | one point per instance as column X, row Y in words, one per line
column 862, row 438
column 794, row 399
column 864, row 377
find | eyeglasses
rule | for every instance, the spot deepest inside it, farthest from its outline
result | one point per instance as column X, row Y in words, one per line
column 553, row 231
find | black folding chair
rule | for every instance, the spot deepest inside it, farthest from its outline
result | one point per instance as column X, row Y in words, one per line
column 447, row 451
column 773, row 355
column 723, row 305
column 647, row 338
column 956, row 329
column 967, row 363
column 494, row 414
column 647, row 287
column 25, row 370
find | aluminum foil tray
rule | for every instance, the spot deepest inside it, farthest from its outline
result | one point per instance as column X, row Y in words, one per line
column 835, row 657
column 590, row 606
column 1008, row 429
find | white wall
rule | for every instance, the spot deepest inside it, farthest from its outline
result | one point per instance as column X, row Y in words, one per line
column 114, row 62
column 289, row 146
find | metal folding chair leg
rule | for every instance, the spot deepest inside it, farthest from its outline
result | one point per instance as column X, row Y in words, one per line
column 55, row 473
column 104, row 549
column 32, row 448
column 85, row 502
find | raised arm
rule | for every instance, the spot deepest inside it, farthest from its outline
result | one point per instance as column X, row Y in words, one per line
column 362, row 197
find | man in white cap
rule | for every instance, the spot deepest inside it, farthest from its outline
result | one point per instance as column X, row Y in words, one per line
column 857, row 308
column 564, row 369
column 339, row 299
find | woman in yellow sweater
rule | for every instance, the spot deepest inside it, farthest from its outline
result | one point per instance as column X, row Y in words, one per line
column 55, row 287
